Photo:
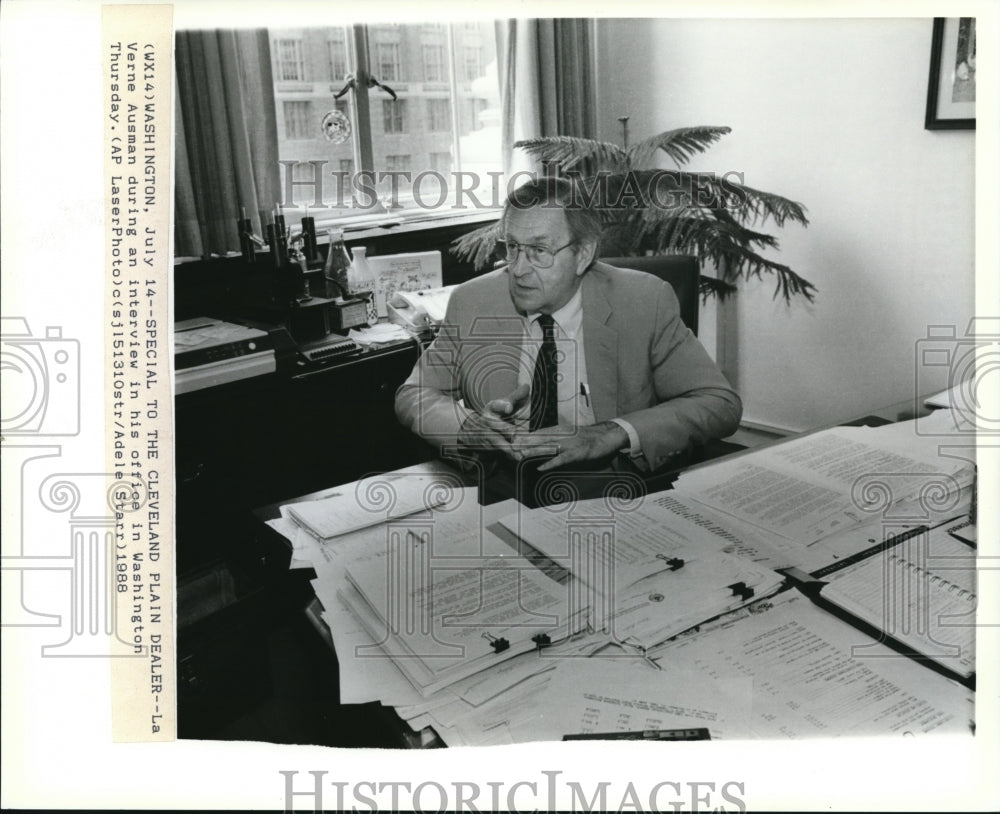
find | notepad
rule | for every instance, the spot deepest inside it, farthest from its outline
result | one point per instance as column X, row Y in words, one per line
column 368, row 502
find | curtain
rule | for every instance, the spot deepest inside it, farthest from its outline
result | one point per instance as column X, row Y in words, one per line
column 546, row 70
column 226, row 138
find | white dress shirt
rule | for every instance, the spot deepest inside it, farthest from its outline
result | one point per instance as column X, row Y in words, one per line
column 575, row 409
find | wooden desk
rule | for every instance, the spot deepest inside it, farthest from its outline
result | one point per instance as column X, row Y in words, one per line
column 392, row 731
column 240, row 445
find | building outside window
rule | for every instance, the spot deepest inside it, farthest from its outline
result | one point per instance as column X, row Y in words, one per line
column 442, row 121
column 393, row 116
column 472, row 59
column 441, row 162
column 434, row 64
column 338, row 56
column 291, row 66
column 439, row 115
column 398, row 163
column 299, row 122
column 387, row 62
column 472, row 108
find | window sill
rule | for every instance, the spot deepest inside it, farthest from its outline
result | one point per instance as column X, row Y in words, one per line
column 369, row 227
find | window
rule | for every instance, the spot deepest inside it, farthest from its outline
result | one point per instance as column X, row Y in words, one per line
column 387, row 62
column 397, row 163
column 338, row 56
column 434, row 65
column 441, row 162
column 299, row 122
column 472, row 61
column 472, row 108
column 393, row 113
column 439, row 115
column 440, row 122
column 290, row 65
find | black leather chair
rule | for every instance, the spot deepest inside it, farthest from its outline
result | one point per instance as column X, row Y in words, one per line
column 680, row 270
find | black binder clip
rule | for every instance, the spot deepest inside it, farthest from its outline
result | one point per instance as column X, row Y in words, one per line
column 741, row 589
column 498, row 645
column 541, row 640
column 673, row 563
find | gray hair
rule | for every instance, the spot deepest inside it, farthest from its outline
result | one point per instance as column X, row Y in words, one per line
column 550, row 192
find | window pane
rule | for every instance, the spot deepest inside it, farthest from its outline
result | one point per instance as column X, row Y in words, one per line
column 439, row 115
column 337, row 45
column 446, row 118
column 298, row 119
column 419, row 133
column 290, row 65
column 316, row 60
column 478, row 103
column 394, row 115
column 435, row 68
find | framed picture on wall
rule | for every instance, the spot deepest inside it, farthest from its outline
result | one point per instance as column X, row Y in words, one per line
column 951, row 88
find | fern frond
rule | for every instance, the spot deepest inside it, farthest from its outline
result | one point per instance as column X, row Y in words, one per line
column 753, row 205
column 477, row 246
column 714, row 287
column 567, row 152
column 680, row 144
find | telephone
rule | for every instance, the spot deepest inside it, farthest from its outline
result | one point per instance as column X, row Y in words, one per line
column 419, row 310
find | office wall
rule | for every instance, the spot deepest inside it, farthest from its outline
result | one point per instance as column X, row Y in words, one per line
column 829, row 113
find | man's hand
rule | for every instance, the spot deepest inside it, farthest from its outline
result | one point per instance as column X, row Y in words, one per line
column 495, row 425
column 582, row 444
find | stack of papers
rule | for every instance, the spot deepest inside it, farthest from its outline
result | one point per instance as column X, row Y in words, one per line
column 444, row 619
column 658, row 614
column 645, row 581
column 821, row 497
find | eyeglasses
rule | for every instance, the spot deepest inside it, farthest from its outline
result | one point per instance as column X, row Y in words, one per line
column 538, row 256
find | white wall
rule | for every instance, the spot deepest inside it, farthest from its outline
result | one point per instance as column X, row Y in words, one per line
column 829, row 113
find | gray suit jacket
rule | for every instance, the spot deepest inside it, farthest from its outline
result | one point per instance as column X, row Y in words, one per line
column 643, row 364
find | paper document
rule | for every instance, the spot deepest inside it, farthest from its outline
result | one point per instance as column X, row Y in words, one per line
column 815, row 675
column 603, row 694
column 815, row 486
column 921, row 592
column 647, row 573
column 368, row 502
column 444, row 619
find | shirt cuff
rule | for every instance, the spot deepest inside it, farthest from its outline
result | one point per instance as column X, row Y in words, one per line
column 634, row 446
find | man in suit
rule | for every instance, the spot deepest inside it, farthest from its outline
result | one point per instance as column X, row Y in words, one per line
column 557, row 354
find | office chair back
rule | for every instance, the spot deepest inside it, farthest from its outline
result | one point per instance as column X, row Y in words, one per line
column 680, row 270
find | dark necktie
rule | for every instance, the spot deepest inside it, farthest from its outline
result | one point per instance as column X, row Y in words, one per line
column 544, row 391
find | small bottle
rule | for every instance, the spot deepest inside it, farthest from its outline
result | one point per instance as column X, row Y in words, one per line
column 362, row 281
column 337, row 265
column 309, row 239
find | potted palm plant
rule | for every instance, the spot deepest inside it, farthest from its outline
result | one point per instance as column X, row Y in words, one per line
column 647, row 210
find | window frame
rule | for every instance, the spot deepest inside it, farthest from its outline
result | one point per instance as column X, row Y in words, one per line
column 362, row 41
column 298, row 59
column 302, row 119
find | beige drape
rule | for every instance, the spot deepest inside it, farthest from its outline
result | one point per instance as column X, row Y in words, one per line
column 546, row 82
column 226, row 138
